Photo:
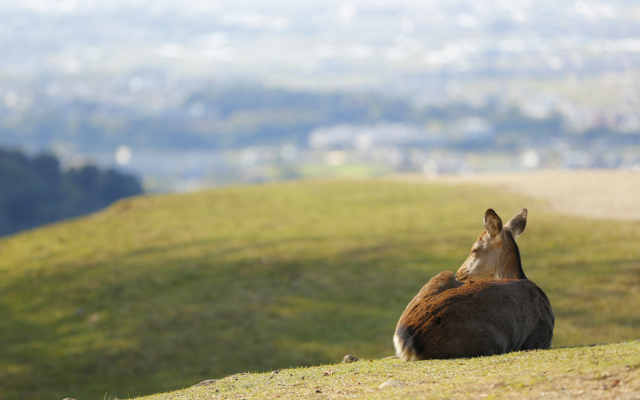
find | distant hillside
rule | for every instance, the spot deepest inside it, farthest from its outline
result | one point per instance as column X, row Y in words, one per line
column 35, row 191
column 221, row 117
column 157, row 293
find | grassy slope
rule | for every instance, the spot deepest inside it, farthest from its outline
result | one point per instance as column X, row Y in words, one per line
column 596, row 372
column 158, row 293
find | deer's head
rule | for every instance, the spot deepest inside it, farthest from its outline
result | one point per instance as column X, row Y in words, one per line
column 495, row 253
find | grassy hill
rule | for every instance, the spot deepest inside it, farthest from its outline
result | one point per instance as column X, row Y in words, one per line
column 160, row 292
column 610, row 371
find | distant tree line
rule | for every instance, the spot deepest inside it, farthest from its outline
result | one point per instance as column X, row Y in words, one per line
column 35, row 190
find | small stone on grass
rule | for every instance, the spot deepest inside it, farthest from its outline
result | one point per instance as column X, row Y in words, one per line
column 205, row 383
column 391, row 383
column 349, row 359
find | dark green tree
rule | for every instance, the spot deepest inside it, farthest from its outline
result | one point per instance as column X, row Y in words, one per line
column 34, row 191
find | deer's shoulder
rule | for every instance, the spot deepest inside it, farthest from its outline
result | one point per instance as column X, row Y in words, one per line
column 443, row 281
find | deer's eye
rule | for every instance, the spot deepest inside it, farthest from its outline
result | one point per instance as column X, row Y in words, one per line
column 474, row 250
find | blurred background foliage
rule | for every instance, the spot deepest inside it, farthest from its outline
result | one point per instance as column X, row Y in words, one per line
column 35, row 191
column 208, row 94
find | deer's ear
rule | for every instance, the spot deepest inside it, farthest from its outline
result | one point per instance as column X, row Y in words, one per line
column 517, row 223
column 492, row 222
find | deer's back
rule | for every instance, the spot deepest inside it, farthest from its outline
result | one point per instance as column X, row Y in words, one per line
column 449, row 319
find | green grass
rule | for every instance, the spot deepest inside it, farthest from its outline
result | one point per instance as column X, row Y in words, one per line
column 158, row 293
column 600, row 372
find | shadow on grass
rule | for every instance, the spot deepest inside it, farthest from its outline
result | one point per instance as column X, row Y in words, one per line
column 130, row 328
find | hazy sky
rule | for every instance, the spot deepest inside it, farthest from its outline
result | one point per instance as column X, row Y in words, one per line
column 42, row 36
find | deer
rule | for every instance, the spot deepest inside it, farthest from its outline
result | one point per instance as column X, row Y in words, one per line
column 489, row 307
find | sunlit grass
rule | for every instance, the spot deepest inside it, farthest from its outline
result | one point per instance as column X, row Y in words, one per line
column 157, row 293
column 599, row 372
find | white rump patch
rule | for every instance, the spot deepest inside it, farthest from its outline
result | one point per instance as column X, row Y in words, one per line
column 401, row 351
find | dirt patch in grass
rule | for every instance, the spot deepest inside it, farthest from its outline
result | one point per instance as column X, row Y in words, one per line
column 593, row 193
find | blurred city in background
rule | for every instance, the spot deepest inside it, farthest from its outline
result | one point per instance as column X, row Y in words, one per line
column 193, row 94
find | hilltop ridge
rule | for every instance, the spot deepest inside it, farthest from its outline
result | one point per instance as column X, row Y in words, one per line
column 607, row 371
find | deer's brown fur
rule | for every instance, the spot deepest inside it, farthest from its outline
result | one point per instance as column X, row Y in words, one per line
column 491, row 308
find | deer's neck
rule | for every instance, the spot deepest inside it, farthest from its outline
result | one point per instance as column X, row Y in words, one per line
column 510, row 264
